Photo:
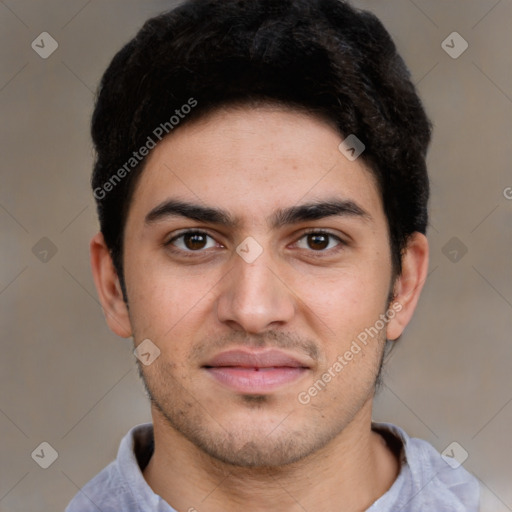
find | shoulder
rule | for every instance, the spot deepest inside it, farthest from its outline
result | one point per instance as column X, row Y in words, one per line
column 106, row 492
column 431, row 481
column 453, row 484
column 120, row 485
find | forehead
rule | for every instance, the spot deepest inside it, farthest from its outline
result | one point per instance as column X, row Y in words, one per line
column 254, row 161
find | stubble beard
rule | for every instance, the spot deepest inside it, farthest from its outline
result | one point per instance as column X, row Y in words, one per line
column 255, row 445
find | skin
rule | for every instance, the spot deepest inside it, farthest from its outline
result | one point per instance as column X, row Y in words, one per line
column 217, row 449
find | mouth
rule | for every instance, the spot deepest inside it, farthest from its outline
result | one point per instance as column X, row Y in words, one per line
column 251, row 372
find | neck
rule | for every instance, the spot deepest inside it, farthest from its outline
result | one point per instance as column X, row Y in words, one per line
column 355, row 469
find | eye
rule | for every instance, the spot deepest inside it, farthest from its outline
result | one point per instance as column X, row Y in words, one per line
column 319, row 241
column 193, row 241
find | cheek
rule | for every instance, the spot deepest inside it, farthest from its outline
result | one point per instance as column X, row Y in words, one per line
column 348, row 302
column 165, row 305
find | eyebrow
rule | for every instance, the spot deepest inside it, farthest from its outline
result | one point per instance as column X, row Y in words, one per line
column 175, row 208
column 283, row 217
column 319, row 210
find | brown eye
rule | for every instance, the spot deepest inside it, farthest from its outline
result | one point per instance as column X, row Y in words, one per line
column 318, row 241
column 195, row 241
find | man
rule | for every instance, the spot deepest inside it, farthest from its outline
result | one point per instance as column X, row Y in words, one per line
column 262, row 194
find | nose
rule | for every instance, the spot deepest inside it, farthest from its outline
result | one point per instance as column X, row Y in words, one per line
column 254, row 297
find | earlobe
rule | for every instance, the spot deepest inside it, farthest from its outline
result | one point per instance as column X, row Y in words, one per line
column 109, row 288
column 409, row 284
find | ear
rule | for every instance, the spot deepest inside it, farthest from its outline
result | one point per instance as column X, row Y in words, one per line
column 409, row 284
column 109, row 288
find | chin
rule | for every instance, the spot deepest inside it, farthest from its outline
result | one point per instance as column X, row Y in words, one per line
column 256, row 453
column 267, row 443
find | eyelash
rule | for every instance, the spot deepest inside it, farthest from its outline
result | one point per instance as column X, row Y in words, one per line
column 181, row 252
column 333, row 250
column 317, row 254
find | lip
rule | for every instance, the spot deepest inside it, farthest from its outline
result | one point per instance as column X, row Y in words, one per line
column 255, row 372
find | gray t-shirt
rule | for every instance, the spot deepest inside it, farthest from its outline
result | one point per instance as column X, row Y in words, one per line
column 426, row 483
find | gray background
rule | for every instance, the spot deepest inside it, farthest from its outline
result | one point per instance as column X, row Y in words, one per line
column 65, row 379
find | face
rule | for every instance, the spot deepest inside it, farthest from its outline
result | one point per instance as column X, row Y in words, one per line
column 256, row 256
